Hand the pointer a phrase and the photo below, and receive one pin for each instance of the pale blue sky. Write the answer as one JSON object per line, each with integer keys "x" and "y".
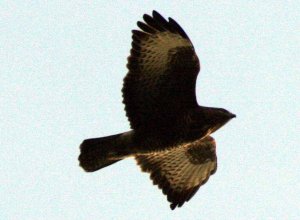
{"x": 61, "y": 72}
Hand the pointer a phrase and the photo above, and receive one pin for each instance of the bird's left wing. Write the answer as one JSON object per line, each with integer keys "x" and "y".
{"x": 163, "y": 68}
{"x": 180, "y": 171}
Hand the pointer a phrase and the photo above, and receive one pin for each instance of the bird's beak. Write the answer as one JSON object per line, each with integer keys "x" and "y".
{"x": 232, "y": 116}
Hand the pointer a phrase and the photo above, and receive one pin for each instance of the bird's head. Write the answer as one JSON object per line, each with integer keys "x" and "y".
{"x": 206, "y": 120}
{"x": 217, "y": 117}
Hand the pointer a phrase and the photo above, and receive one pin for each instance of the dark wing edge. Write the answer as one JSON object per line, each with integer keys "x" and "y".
{"x": 157, "y": 23}
{"x": 162, "y": 62}
{"x": 180, "y": 172}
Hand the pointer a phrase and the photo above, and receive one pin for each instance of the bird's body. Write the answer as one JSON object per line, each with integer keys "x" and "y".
{"x": 170, "y": 131}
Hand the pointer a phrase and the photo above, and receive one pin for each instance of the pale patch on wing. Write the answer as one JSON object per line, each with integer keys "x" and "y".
{"x": 180, "y": 171}
{"x": 155, "y": 54}
{"x": 163, "y": 69}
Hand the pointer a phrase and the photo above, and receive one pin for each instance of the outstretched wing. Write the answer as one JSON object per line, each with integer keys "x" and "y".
{"x": 180, "y": 172}
{"x": 163, "y": 67}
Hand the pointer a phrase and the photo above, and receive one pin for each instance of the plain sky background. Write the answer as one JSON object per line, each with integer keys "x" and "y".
{"x": 61, "y": 72}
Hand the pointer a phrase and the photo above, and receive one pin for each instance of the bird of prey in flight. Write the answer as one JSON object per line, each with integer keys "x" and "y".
{"x": 170, "y": 136}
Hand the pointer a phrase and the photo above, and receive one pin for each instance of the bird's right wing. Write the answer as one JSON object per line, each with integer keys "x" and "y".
{"x": 180, "y": 171}
{"x": 163, "y": 68}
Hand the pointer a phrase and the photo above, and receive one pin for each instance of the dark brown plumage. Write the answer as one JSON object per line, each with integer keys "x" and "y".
{"x": 163, "y": 67}
{"x": 180, "y": 171}
{"x": 170, "y": 131}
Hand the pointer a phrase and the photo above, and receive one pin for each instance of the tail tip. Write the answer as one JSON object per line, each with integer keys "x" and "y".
{"x": 88, "y": 157}
{"x": 93, "y": 156}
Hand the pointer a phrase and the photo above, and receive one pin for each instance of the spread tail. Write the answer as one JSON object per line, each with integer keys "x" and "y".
{"x": 98, "y": 153}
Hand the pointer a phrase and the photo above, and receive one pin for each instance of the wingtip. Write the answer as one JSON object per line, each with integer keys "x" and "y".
{"x": 154, "y": 12}
{"x": 172, "y": 206}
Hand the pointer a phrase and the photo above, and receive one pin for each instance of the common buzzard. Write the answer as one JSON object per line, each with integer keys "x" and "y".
{"x": 170, "y": 136}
